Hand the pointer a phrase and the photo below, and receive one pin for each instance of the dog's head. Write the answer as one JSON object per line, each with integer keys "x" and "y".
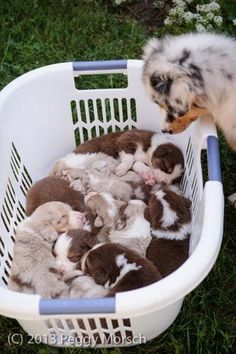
{"x": 57, "y": 217}
{"x": 168, "y": 163}
{"x": 70, "y": 247}
{"x": 171, "y": 77}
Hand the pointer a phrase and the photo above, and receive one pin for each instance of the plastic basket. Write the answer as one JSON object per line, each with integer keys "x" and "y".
{"x": 42, "y": 114}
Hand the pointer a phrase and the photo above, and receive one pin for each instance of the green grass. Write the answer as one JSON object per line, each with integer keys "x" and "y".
{"x": 36, "y": 33}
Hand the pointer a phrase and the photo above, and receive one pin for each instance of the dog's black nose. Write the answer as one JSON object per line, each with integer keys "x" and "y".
{"x": 165, "y": 131}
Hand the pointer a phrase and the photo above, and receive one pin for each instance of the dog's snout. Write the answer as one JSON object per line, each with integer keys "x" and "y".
{"x": 167, "y": 131}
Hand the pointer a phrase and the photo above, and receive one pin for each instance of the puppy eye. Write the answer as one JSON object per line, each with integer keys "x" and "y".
{"x": 54, "y": 252}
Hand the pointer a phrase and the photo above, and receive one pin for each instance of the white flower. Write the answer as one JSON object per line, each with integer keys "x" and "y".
{"x": 218, "y": 20}
{"x": 168, "y": 21}
{"x": 200, "y": 28}
{"x": 213, "y": 6}
{"x": 210, "y": 15}
{"x": 234, "y": 22}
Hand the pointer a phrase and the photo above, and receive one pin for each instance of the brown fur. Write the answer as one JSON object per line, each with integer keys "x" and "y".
{"x": 82, "y": 242}
{"x": 167, "y": 255}
{"x": 180, "y": 124}
{"x": 178, "y": 203}
{"x": 101, "y": 265}
{"x": 113, "y": 143}
{"x": 53, "y": 189}
{"x": 166, "y": 157}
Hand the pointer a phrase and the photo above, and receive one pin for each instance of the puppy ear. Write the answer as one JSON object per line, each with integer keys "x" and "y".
{"x": 163, "y": 150}
{"x": 152, "y": 45}
{"x": 101, "y": 275}
{"x": 48, "y": 233}
{"x": 147, "y": 214}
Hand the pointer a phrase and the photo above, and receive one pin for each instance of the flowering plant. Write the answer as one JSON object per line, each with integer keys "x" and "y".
{"x": 195, "y": 16}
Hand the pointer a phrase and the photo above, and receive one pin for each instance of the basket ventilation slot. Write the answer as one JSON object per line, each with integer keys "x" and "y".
{"x": 95, "y": 117}
{"x": 189, "y": 183}
{"x": 95, "y": 331}
{"x": 12, "y": 210}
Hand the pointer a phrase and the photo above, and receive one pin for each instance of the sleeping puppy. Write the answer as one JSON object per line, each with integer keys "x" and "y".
{"x": 160, "y": 159}
{"x": 167, "y": 255}
{"x": 105, "y": 208}
{"x": 89, "y": 180}
{"x": 136, "y": 233}
{"x": 118, "y": 269}
{"x": 65, "y": 166}
{"x": 34, "y": 268}
{"x": 70, "y": 247}
{"x": 81, "y": 285}
{"x": 53, "y": 189}
{"x": 169, "y": 214}
{"x": 190, "y": 72}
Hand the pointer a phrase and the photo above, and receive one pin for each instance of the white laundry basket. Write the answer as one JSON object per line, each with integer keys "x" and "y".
{"x": 42, "y": 113}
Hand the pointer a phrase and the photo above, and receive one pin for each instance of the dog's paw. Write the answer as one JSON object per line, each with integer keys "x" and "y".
{"x": 232, "y": 199}
{"x": 149, "y": 178}
{"x": 98, "y": 222}
{"x": 78, "y": 186}
{"x": 121, "y": 170}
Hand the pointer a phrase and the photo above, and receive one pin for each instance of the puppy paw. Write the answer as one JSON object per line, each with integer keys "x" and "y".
{"x": 120, "y": 224}
{"x": 121, "y": 170}
{"x": 98, "y": 222}
{"x": 149, "y": 179}
{"x": 67, "y": 175}
{"x": 78, "y": 186}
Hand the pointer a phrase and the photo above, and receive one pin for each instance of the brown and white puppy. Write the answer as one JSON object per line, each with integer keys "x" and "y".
{"x": 118, "y": 269}
{"x": 106, "y": 208}
{"x": 33, "y": 266}
{"x": 163, "y": 159}
{"x": 167, "y": 255}
{"x": 136, "y": 233}
{"x": 70, "y": 247}
{"x": 51, "y": 189}
{"x": 169, "y": 214}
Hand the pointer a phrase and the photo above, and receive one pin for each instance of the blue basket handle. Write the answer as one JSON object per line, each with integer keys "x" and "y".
{"x": 77, "y": 306}
{"x": 213, "y": 159}
{"x": 99, "y": 65}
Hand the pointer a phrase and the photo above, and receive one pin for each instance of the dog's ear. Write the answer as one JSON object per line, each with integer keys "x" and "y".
{"x": 48, "y": 233}
{"x": 163, "y": 150}
{"x": 147, "y": 214}
{"x": 102, "y": 275}
{"x": 153, "y": 45}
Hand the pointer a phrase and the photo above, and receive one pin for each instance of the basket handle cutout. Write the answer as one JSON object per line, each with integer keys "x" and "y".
{"x": 107, "y": 74}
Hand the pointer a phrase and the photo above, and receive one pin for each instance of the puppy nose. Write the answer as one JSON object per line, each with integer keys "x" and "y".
{"x": 61, "y": 269}
{"x": 165, "y": 131}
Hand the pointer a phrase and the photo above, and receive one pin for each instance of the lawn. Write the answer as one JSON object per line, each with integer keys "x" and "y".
{"x": 36, "y": 33}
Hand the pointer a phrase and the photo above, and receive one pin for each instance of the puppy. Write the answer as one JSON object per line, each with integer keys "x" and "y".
{"x": 65, "y": 166}
{"x": 106, "y": 208}
{"x": 136, "y": 233}
{"x": 53, "y": 189}
{"x": 193, "y": 71}
{"x": 33, "y": 267}
{"x": 167, "y": 255}
{"x": 70, "y": 248}
{"x": 118, "y": 269}
{"x": 160, "y": 159}
{"x": 169, "y": 214}
{"x": 81, "y": 285}
{"x": 89, "y": 180}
